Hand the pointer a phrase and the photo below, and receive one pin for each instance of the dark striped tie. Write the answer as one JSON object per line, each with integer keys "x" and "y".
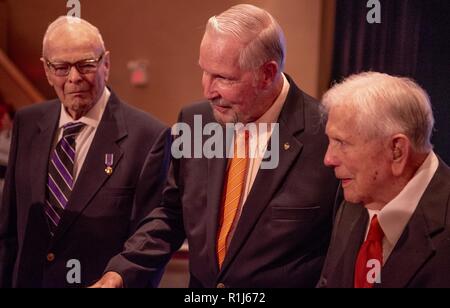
{"x": 60, "y": 175}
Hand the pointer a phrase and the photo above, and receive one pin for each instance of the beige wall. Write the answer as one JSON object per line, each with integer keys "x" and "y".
{"x": 167, "y": 34}
{"x": 11, "y": 92}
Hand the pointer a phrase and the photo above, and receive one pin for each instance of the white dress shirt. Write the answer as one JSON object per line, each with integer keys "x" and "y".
{"x": 84, "y": 140}
{"x": 394, "y": 217}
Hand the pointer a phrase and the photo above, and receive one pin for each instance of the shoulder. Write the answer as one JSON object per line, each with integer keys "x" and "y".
{"x": 139, "y": 119}
{"x": 310, "y": 104}
{"x": 39, "y": 109}
{"x": 137, "y": 116}
{"x": 440, "y": 184}
{"x": 197, "y": 108}
{"x": 445, "y": 170}
{"x": 202, "y": 109}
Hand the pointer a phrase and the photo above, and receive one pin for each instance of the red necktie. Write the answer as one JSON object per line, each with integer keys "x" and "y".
{"x": 370, "y": 254}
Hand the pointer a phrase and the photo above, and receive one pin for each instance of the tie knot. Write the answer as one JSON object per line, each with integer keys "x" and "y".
{"x": 375, "y": 231}
{"x": 72, "y": 129}
{"x": 242, "y": 145}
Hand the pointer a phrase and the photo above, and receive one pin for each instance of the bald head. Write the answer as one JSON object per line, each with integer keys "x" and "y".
{"x": 72, "y": 42}
{"x": 67, "y": 30}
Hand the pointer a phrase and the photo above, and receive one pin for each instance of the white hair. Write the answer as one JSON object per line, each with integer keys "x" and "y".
{"x": 71, "y": 22}
{"x": 386, "y": 105}
{"x": 260, "y": 33}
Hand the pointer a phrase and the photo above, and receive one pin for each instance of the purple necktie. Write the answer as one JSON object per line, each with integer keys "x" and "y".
{"x": 60, "y": 175}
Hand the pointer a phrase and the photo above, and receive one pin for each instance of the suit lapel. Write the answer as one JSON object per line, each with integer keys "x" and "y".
{"x": 216, "y": 171}
{"x": 267, "y": 182}
{"x": 92, "y": 177}
{"x": 40, "y": 149}
{"x": 351, "y": 233}
{"x": 411, "y": 251}
{"x": 416, "y": 246}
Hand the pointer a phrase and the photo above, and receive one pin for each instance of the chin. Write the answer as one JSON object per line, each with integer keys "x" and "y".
{"x": 349, "y": 197}
{"x": 80, "y": 106}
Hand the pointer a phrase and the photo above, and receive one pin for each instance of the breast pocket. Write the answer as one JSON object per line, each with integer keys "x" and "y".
{"x": 116, "y": 201}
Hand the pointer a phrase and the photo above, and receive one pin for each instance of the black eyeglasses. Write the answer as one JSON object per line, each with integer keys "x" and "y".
{"x": 62, "y": 69}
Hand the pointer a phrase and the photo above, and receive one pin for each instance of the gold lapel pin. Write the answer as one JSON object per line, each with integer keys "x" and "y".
{"x": 287, "y": 146}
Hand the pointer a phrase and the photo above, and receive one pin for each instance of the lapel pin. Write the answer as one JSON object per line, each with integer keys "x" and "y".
{"x": 287, "y": 146}
{"x": 109, "y": 162}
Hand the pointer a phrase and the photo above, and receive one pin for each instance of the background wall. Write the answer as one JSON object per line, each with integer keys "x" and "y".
{"x": 3, "y": 23}
{"x": 167, "y": 34}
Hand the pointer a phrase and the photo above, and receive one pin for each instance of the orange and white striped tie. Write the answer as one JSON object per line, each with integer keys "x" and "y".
{"x": 232, "y": 193}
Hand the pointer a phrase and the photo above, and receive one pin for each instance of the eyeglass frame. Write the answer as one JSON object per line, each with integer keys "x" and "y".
{"x": 51, "y": 65}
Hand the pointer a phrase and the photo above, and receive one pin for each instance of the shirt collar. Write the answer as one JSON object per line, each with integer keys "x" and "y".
{"x": 94, "y": 115}
{"x": 273, "y": 113}
{"x": 394, "y": 217}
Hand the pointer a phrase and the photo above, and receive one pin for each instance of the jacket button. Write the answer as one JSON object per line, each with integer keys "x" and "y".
{"x": 51, "y": 257}
{"x": 221, "y": 286}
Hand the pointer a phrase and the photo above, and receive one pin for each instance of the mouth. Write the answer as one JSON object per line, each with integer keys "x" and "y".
{"x": 76, "y": 92}
{"x": 220, "y": 108}
{"x": 346, "y": 182}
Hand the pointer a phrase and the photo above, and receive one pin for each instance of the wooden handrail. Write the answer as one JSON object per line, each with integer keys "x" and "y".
{"x": 18, "y": 77}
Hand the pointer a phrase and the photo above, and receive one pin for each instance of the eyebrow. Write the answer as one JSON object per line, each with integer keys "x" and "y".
{"x": 93, "y": 57}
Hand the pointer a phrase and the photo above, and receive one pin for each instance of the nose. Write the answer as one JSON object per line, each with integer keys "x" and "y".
{"x": 74, "y": 75}
{"x": 208, "y": 86}
{"x": 330, "y": 159}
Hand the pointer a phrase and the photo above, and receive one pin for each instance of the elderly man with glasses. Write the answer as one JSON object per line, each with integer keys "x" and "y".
{"x": 84, "y": 169}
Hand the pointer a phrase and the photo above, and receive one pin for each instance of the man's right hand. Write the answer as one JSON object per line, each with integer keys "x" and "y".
{"x": 110, "y": 280}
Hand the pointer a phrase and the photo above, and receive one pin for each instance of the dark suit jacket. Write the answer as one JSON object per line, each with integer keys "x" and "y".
{"x": 284, "y": 230}
{"x": 100, "y": 214}
{"x": 421, "y": 257}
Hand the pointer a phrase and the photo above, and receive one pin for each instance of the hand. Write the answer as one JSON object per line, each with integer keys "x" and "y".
{"x": 110, "y": 280}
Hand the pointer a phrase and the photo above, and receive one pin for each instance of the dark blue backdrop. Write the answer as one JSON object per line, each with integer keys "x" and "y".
{"x": 412, "y": 40}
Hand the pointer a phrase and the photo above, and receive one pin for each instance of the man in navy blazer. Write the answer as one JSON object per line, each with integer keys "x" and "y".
{"x": 114, "y": 179}
{"x": 393, "y": 229}
{"x": 282, "y": 223}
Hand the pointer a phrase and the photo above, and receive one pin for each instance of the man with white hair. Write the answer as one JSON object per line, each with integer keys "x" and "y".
{"x": 246, "y": 226}
{"x": 77, "y": 164}
{"x": 393, "y": 229}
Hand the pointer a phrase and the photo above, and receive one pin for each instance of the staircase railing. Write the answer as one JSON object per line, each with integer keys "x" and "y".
{"x": 19, "y": 78}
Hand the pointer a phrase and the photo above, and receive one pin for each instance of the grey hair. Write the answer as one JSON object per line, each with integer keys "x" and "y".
{"x": 70, "y": 21}
{"x": 386, "y": 105}
{"x": 260, "y": 33}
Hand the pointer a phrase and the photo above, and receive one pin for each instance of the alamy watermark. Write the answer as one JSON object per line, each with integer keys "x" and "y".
{"x": 374, "y": 271}
{"x": 374, "y": 14}
{"x": 74, "y": 273}
{"x": 74, "y": 7}
{"x": 217, "y": 141}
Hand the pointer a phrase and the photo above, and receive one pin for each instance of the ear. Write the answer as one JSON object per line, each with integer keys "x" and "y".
{"x": 107, "y": 64}
{"x": 400, "y": 148}
{"x": 47, "y": 72}
{"x": 269, "y": 72}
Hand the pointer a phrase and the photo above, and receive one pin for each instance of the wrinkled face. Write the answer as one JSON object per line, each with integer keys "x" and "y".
{"x": 78, "y": 92}
{"x": 232, "y": 91}
{"x": 362, "y": 165}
